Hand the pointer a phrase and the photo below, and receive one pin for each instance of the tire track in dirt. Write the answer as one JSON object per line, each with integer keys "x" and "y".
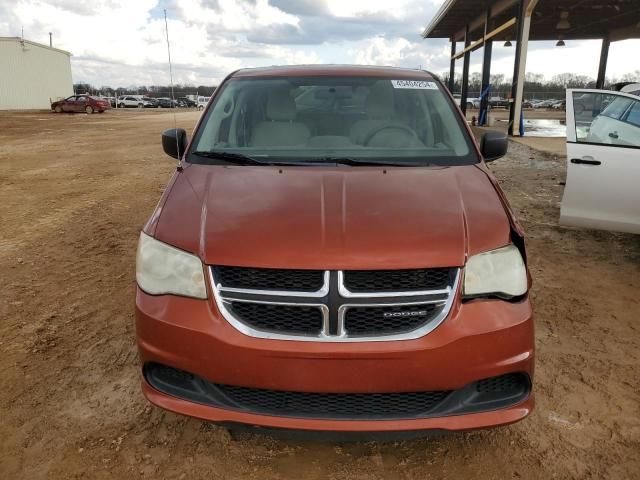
{"x": 73, "y": 408}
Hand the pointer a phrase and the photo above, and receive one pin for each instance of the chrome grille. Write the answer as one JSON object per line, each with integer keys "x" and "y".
{"x": 347, "y": 306}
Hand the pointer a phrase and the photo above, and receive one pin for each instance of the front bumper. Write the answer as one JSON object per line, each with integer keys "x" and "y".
{"x": 479, "y": 339}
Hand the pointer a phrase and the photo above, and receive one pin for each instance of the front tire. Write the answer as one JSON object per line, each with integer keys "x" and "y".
{"x": 89, "y": 109}
{"x": 58, "y": 109}
{"x": 140, "y": 105}
{"x": 121, "y": 105}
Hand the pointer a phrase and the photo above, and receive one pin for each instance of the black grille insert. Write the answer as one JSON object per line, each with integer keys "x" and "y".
{"x": 503, "y": 383}
{"x": 360, "y": 321}
{"x": 335, "y": 405}
{"x": 269, "y": 278}
{"x": 363, "y": 281}
{"x": 279, "y": 318}
{"x": 504, "y": 391}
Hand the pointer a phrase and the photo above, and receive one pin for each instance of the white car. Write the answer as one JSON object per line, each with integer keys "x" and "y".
{"x": 130, "y": 101}
{"x": 471, "y": 102}
{"x": 148, "y": 102}
{"x": 631, "y": 88}
{"x": 202, "y": 102}
{"x": 603, "y": 161}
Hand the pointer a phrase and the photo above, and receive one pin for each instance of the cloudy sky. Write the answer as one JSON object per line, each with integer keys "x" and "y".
{"x": 121, "y": 42}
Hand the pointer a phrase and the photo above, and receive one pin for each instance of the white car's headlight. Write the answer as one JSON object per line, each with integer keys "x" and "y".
{"x": 499, "y": 272}
{"x": 163, "y": 269}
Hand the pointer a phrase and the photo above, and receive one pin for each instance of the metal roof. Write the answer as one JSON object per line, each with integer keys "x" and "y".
{"x": 36, "y": 44}
{"x": 588, "y": 19}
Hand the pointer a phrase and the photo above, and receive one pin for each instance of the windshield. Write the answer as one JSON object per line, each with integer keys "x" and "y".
{"x": 327, "y": 119}
{"x": 617, "y": 108}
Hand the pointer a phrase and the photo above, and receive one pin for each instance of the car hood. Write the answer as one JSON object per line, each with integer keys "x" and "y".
{"x": 332, "y": 217}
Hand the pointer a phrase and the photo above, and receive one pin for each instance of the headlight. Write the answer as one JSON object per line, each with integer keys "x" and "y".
{"x": 163, "y": 269}
{"x": 499, "y": 272}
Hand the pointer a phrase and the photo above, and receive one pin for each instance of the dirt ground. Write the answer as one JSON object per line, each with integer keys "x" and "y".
{"x": 75, "y": 191}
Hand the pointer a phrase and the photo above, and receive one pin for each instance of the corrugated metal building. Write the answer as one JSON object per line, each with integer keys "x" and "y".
{"x": 32, "y": 75}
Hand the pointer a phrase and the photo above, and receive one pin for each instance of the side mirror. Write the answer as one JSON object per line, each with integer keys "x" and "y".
{"x": 174, "y": 142}
{"x": 493, "y": 145}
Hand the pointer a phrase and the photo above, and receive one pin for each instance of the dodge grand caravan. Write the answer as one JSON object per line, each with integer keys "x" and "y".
{"x": 332, "y": 254}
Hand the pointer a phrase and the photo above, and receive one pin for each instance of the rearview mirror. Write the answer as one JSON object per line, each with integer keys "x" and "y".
{"x": 493, "y": 146}
{"x": 174, "y": 142}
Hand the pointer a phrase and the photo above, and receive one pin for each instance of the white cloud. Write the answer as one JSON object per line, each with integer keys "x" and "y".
{"x": 121, "y": 42}
{"x": 395, "y": 51}
{"x": 353, "y": 8}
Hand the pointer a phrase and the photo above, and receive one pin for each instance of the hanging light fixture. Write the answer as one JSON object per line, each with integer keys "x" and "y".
{"x": 507, "y": 43}
{"x": 563, "y": 23}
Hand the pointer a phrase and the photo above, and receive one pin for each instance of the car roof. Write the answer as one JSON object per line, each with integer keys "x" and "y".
{"x": 334, "y": 70}
{"x": 632, "y": 87}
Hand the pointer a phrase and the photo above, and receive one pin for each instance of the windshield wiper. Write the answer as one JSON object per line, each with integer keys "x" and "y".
{"x": 235, "y": 158}
{"x": 241, "y": 159}
{"x": 366, "y": 162}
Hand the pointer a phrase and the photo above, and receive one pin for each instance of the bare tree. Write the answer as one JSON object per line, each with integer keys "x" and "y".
{"x": 497, "y": 79}
{"x": 631, "y": 76}
{"x": 532, "y": 77}
{"x": 571, "y": 80}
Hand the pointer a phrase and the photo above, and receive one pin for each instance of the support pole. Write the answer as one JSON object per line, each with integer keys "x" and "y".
{"x": 452, "y": 66}
{"x": 525, "y": 10}
{"x": 486, "y": 73}
{"x": 465, "y": 72}
{"x": 602, "y": 68}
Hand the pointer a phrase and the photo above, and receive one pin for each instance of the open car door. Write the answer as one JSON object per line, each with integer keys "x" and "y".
{"x": 603, "y": 161}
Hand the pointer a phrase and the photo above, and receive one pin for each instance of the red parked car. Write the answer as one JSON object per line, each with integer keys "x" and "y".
{"x": 81, "y": 103}
{"x": 334, "y": 254}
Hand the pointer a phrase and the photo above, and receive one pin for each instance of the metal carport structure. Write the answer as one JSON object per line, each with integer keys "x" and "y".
{"x": 478, "y": 23}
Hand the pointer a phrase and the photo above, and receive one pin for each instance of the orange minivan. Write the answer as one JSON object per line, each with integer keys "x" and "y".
{"x": 332, "y": 254}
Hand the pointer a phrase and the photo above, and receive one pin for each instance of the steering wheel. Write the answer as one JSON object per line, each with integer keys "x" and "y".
{"x": 376, "y": 131}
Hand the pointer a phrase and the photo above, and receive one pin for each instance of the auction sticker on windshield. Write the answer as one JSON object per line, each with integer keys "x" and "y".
{"x": 417, "y": 84}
